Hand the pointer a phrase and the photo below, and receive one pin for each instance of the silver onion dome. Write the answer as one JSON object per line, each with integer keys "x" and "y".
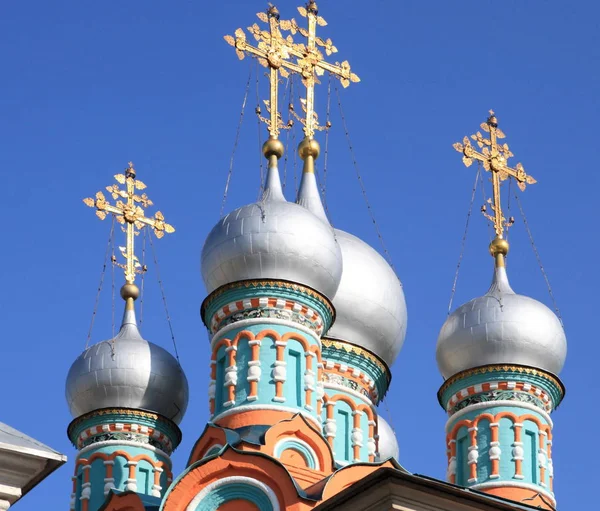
{"x": 501, "y": 327}
{"x": 370, "y": 305}
{"x": 272, "y": 239}
{"x": 388, "y": 443}
{"x": 127, "y": 373}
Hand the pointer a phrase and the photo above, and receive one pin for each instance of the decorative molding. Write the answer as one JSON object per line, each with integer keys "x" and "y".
{"x": 490, "y": 369}
{"x": 258, "y": 321}
{"x": 499, "y": 391}
{"x": 234, "y": 480}
{"x": 510, "y": 404}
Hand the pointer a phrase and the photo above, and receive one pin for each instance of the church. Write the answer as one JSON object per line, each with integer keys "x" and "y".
{"x": 304, "y": 322}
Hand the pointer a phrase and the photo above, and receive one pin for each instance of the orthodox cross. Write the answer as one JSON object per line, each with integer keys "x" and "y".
{"x": 494, "y": 158}
{"x": 272, "y": 51}
{"x": 313, "y": 64}
{"x": 129, "y": 212}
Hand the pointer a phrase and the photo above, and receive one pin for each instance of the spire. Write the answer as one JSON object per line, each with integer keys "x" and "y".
{"x": 313, "y": 64}
{"x": 129, "y": 328}
{"x": 494, "y": 157}
{"x": 273, "y": 150}
{"x": 308, "y": 193}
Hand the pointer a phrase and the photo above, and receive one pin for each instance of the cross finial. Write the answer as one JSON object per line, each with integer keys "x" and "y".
{"x": 312, "y": 64}
{"x": 494, "y": 157}
{"x": 130, "y": 213}
{"x": 272, "y": 51}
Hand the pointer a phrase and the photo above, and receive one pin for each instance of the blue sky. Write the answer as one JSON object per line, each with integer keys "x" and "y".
{"x": 88, "y": 86}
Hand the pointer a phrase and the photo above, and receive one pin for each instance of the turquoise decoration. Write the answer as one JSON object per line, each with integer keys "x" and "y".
{"x": 303, "y": 449}
{"x": 240, "y": 488}
{"x": 215, "y": 317}
{"x": 372, "y": 366}
{"x": 275, "y": 355}
{"x": 121, "y": 450}
{"x": 499, "y": 432}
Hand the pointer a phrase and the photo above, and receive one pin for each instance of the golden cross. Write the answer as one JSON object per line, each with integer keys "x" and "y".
{"x": 313, "y": 64}
{"x": 130, "y": 213}
{"x": 271, "y": 51}
{"x": 494, "y": 158}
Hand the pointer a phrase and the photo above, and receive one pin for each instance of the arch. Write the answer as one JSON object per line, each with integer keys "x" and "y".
{"x": 345, "y": 399}
{"x": 244, "y": 334}
{"x": 272, "y": 334}
{"x": 222, "y": 342}
{"x": 300, "y": 446}
{"x": 294, "y": 336}
{"x": 235, "y": 488}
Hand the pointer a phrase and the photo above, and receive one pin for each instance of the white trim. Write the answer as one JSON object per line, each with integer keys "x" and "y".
{"x": 301, "y": 442}
{"x": 494, "y": 404}
{"x": 513, "y": 484}
{"x": 259, "y": 321}
{"x": 276, "y": 408}
{"x": 233, "y": 480}
{"x": 129, "y": 443}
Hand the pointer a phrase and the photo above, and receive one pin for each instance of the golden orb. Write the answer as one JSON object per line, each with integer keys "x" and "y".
{"x": 130, "y": 291}
{"x": 309, "y": 147}
{"x": 499, "y": 246}
{"x": 273, "y": 147}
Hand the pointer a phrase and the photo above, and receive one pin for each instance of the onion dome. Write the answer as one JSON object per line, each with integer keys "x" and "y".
{"x": 127, "y": 372}
{"x": 370, "y": 305}
{"x": 272, "y": 239}
{"x": 388, "y": 443}
{"x": 501, "y": 327}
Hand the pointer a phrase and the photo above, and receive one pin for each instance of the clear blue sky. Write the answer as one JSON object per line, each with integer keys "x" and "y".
{"x": 87, "y": 86}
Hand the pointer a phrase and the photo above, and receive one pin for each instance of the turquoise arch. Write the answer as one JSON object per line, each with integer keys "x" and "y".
{"x": 305, "y": 452}
{"x": 242, "y": 488}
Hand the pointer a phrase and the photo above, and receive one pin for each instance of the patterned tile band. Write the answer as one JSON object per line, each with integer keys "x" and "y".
{"x": 497, "y": 391}
{"x": 129, "y": 432}
{"x": 350, "y": 377}
{"x": 501, "y": 368}
{"x": 266, "y": 307}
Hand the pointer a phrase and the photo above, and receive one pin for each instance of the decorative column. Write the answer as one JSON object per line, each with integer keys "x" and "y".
{"x": 354, "y": 381}
{"x": 266, "y": 352}
{"x": 120, "y": 449}
{"x": 499, "y": 431}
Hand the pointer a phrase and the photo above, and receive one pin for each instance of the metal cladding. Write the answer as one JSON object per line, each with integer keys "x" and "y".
{"x": 501, "y": 327}
{"x": 388, "y": 443}
{"x": 272, "y": 239}
{"x": 127, "y": 373}
{"x": 370, "y": 305}
{"x": 309, "y": 197}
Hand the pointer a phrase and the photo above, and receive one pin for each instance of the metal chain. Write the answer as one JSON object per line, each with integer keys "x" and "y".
{"x": 360, "y": 181}
{"x": 145, "y": 230}
{"x": 235, "y": 143}
{"x": 539, "y": 260}
{"x": 464, "y": 240}
{"x": 508, "y": 209}
{"x": 260, "y": 155}
{"x": 113, "y": 260}
{"x": 485, "y": 202}
{"x": 164, "y": 299}
{"x": 325, "y": 157}
{"x": 289, "y": 90}
{"x": 389, "y": 416}
{"x": 102, "y": 273}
